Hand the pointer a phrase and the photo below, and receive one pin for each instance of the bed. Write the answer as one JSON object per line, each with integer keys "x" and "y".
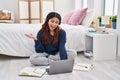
{"x": 13, "y": 41}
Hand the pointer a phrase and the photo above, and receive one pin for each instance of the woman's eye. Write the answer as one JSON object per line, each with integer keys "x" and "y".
{"x": 56, "y": 22}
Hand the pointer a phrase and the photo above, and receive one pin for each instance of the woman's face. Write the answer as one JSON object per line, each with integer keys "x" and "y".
{"x": 53, "y": 23}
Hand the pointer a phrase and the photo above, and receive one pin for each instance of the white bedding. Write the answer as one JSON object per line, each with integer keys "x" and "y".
{"x": 13, "y": 41}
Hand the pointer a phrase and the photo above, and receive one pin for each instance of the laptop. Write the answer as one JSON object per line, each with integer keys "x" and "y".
{"x": 61, "y": 66}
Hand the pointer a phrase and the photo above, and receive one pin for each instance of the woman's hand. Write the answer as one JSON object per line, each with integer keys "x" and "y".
{"x": 31, "y": 36}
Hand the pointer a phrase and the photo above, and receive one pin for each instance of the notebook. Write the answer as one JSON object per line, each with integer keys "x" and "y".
{"x": 32, "y": 71}
{"x": 83, "y": 67}
{"x": 61, "y": 66}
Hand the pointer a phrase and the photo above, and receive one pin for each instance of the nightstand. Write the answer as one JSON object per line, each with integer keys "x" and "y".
{"x": 102, "y": 46}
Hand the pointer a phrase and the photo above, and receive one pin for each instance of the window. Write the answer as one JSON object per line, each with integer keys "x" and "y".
{"x": 116, "y": 7}
{"x": 111, "y": 7}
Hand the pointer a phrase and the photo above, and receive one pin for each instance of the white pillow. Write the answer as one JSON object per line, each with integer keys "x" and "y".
{"x": 88, "y": 18}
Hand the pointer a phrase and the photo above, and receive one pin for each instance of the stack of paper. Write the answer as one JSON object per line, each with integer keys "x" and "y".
{"x": 83, "y": 67}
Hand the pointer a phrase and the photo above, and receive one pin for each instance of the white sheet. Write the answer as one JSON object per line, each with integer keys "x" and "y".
{"x": 14, "y": 42}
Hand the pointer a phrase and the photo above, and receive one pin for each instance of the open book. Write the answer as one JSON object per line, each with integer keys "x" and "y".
{"x": 83, "y": 67}
{"x": 32, "y": 71}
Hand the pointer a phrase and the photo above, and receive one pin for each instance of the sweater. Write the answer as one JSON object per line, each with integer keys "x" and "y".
{"x": 52, "y": 49}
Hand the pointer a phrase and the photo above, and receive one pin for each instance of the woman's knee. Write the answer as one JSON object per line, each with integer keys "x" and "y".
{"x": 38, "y": 60}
{"x": 71, "y": 54}
{"x": 32, "y": 59}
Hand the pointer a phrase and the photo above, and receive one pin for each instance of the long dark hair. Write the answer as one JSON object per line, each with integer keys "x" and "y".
{"x": 46, "y": 30}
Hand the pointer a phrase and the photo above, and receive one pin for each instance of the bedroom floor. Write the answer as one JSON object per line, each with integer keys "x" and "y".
{"x": 103, "y": 70}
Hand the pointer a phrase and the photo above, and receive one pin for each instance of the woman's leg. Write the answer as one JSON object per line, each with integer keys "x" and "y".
{"x": 71, "y": 54}
{"x": 54, "y": 57}
{"x": 39, "y": 59}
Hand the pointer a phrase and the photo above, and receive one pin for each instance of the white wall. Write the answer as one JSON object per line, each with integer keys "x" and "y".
{"x": 118, "y": 46}
{"x": 64, "y": 6}
{"x": 90, "y": 4}
{"x": 118, "y": 28}
{"x": 61, "y": 6}
{"x": 118, "y": 16}
{"x": 78, "y": 4}
{"x": 97, "y": 6}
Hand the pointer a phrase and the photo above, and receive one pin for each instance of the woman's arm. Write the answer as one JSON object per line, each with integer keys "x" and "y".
{"x": 62, "y": 41}
{"x": 31, "y": 36}
{"x": 38, "y": 43}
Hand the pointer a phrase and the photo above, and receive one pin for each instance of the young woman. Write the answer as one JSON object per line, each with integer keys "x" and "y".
{"x": 50, "y": 42}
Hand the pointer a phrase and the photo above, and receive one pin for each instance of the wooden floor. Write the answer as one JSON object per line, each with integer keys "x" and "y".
{"x": 103, "y": 70}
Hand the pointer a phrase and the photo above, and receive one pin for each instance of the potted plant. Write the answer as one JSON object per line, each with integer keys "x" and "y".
{"x": 100, "y": 19}
{"x": 114, "y": 20}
